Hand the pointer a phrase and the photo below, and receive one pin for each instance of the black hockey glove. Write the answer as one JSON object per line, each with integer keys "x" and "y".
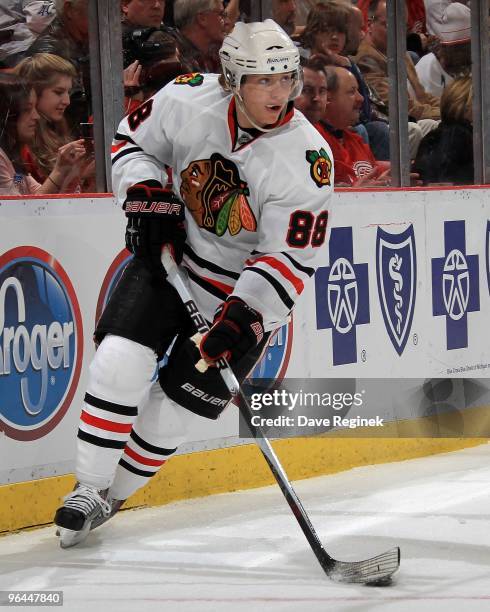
{"x": 155, "y": 217}
{"x": 236, "y": 329}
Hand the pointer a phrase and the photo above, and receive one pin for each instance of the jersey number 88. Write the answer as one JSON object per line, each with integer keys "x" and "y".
{"x": 305, "y": 229}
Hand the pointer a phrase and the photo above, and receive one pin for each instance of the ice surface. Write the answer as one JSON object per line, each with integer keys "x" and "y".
{"x": 244, "y": 550}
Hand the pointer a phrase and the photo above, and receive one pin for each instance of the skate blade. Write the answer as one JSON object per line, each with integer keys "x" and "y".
{"x": 70, "y": 538}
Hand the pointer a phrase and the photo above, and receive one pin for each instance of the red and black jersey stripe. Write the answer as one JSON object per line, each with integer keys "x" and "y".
{"x": 209, "y": 265}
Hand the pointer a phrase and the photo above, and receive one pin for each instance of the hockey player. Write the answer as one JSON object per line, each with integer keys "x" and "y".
{"x": 256, "y": 179}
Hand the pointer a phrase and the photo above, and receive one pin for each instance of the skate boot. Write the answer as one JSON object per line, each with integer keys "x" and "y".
{"x": 76, "y": 515}
{"x": 102, "y": 518}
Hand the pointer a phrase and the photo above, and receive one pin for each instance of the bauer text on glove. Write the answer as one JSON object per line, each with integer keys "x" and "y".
{"x": 155, "y": 217}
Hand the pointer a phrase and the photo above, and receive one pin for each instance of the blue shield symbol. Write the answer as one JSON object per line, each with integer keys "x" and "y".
{"x": 396, "y": 272}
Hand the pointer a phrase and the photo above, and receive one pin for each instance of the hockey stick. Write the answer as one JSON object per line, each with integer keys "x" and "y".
{"x": 377, "y": 570}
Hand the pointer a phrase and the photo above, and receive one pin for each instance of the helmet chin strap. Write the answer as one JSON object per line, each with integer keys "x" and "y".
{"x": 242, "y": 107}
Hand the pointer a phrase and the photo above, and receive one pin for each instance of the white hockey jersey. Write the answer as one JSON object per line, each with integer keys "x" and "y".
{"x": 257, "y": 205}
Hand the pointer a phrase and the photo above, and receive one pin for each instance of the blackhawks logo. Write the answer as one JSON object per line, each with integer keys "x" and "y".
{"x": 216, "y": 196}
{"x": 320, "y": 168}
{"x": 194, "y": 79}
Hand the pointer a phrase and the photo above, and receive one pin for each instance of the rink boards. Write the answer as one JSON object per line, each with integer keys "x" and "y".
{"x": 403, "y": 295}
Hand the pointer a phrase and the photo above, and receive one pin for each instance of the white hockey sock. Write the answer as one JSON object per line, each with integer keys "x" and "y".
{"x": 120, "y": 375}
{"x": 160, "y": 428}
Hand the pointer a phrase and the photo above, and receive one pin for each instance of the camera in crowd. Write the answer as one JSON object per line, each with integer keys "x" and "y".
{"x": 156, "y": 51}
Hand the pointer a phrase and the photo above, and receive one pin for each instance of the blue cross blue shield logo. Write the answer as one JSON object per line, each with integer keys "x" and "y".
{"x": 342, "y": 296}
{"x": 455, "y": 285}
{"x": 396, "y": 272}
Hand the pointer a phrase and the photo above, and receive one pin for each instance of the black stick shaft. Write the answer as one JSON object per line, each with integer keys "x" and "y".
{"x": 230, "y": 380}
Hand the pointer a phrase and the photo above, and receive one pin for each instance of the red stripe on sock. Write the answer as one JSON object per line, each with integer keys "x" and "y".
{"x": 105, "y": 424}
{"x": 143, "y": 460}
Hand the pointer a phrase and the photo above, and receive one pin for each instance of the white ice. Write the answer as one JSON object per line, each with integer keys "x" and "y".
{"x": 244, "y": 550}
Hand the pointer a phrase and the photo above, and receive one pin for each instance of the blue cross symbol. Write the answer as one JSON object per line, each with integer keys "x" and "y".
{"x": 342, "y": 296}
{"x": 455, "y": 285}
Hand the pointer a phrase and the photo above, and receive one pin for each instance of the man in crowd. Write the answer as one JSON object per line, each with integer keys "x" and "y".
{"x": 284, "y": 13}
{"x": 143, "y": 13}
{"x": 331, "y": 101}
{"x": 201, "y": 30}
{"x": 423, "y": 109}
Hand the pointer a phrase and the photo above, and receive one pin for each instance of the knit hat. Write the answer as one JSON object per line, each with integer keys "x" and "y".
{"x": 456, "y": 25}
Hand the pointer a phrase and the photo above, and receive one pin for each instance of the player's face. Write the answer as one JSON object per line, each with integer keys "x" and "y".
{"x": 27, "y": 121}
{"x": 146, "y": 13}
{"x": 344, "y": 104}
{"x": 55, "y": 98}
{"x": 313, "y": 98}
{"x": 265, "y": 97}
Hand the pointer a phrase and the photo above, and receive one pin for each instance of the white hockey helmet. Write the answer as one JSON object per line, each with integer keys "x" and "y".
{"x": 259, "y": 48}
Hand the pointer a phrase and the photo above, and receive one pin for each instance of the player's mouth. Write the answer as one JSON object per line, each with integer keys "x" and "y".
{"x": 274, "y": 107}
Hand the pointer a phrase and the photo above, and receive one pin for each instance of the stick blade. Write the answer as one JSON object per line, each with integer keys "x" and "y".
{"x": 376, "y": 571}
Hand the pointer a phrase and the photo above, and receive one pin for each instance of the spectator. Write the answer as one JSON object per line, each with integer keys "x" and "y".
{"x": 446, "y": 154}
{"x": 21, "y": 21}
{"x": 452, "y": 57}
{"x": 52, "y": 79}
{"x": 355, "y": 31}
{"x": 336, "y": 29}
{"x": 416, "y": 16}
{"x": 313, "y": 98}
{"x": 18, "y": 118}
{"x": 434, "y": 11}
{"x": 201, "y": 30}
{"x": 423, "y": 109}
{"x": 326, "y": 28}
{"x": 232, "y": 15}
{"x": 371, "y": 59}
{"x": 142, "y": 13}
{"x": 67, "y": 37}
{"x": 284, "y": 13}
{"x": 354, "y": 162}
{"x": 151, "y": 61}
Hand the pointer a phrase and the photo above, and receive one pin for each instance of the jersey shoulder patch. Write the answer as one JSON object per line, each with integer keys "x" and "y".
{"x": 320, "y": 167}
{"x": 193, "y": 79}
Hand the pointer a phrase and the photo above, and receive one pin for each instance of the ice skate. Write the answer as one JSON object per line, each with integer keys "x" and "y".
{"x": 102, "y": 518}
{"x": 80, "y": 509}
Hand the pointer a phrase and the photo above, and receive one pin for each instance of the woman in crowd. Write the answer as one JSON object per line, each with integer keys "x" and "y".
{"x": 51, "y": 77}
{"x": 18, "y": 123}
{"x": 445, "y": 155}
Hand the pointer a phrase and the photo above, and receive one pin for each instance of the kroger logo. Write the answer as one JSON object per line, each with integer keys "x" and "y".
{"x": 41, "y": 343}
